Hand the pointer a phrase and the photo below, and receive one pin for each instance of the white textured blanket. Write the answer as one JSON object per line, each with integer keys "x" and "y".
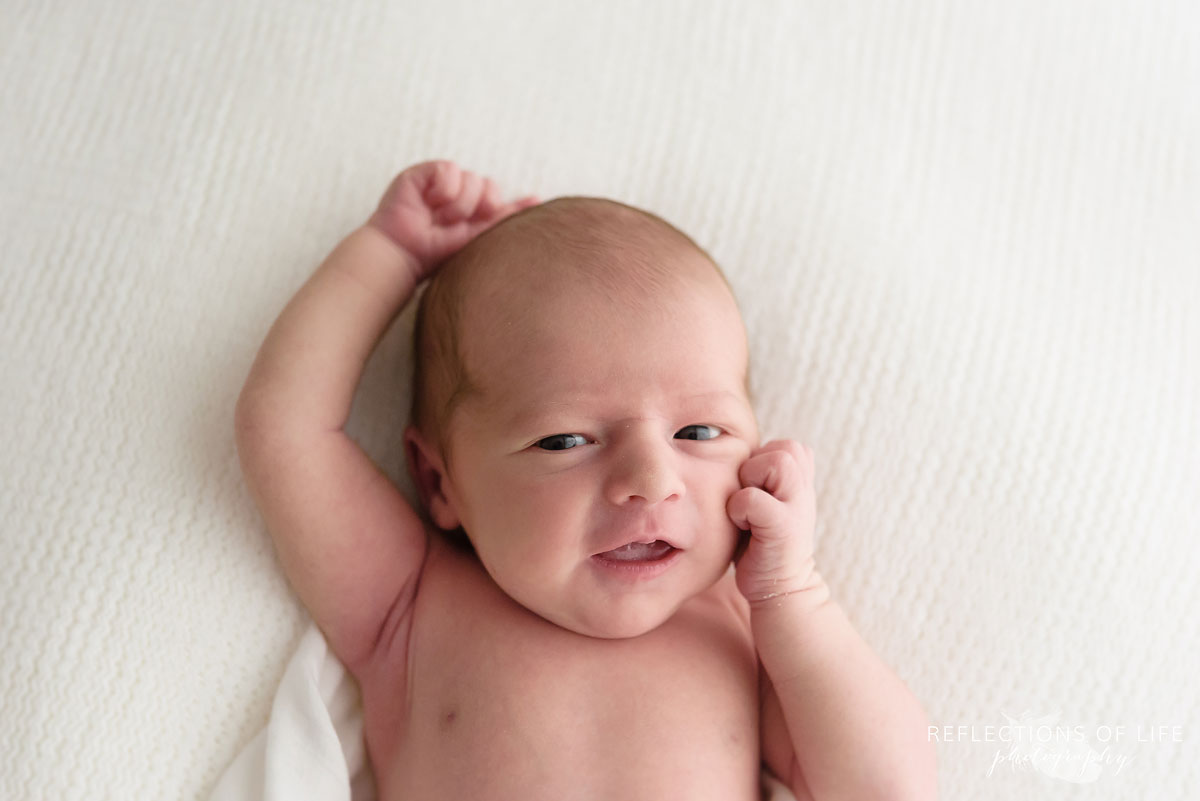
{"x": 964, "y": 235}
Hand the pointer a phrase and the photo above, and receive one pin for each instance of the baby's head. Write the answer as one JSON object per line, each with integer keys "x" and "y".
{"x": 581, "y": 384}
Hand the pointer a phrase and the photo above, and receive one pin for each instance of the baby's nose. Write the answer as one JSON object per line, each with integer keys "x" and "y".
{"x": 645, "y": 468}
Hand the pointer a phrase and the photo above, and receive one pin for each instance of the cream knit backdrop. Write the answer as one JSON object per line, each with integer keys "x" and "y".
{"x": 966, "y": 240}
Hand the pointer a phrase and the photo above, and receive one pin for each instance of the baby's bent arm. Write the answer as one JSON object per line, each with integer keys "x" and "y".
{"x": 856, "y": 730}
{"x": 348, "y": 540}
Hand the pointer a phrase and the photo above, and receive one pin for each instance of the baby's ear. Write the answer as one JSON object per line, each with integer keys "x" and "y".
{"x": 428, "y": 473}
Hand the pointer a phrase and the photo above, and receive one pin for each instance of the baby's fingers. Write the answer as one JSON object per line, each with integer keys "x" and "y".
{"x": 519, "y": 204}
{"x": 492, "y": 209}
{"x": 489, "y": 202}
{"x": 752, "y": 509}
{"x": 781, "y": 467}
{"x": 442, "y": 181}
{"x": 462, "y": 205}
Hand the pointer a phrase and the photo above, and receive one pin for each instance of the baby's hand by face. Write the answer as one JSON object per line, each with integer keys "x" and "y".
{"x": 777, "y": 506}
{"x": 434, "y": 208}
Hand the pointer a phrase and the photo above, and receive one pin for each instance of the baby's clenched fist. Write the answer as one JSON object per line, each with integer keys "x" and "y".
{"x": 777, "y": 507}
{"x": 434, "y": 208}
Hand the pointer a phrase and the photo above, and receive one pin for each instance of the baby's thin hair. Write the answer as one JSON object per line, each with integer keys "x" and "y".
{"x": 618, "y": 248}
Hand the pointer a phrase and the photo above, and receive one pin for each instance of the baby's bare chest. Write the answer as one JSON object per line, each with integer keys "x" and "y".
{"x": 495, "y": 701}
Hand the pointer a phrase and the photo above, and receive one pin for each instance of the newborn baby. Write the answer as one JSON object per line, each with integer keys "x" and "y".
{"x": 609, "y": 592}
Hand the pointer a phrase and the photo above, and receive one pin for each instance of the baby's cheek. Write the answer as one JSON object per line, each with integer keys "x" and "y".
{"x": 729, "y": 474}
{"x": 725, "y": 484}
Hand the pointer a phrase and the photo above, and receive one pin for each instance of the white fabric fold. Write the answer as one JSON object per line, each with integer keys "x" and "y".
{"x": 312, "y": 746}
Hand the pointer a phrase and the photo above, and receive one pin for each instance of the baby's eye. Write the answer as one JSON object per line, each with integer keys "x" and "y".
{"x": 698, "y": 432}
{"x": 560, "y": 442}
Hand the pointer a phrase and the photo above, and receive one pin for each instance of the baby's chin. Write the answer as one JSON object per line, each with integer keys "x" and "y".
{"x": 622, "y": 630}
{"x": 636, "y": 616}
{"x": 615, "y": 624}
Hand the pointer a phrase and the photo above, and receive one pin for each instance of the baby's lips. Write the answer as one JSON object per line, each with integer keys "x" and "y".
{"x": 620, "y": 541}
{"x": 639, "y": 551}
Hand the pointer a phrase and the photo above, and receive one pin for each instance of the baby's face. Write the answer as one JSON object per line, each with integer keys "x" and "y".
{"x": 602, "y": 423}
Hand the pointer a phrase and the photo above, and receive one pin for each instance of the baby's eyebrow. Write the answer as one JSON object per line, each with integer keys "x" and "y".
{"x": 529, "y": 415}
{"x": 719, "y": 394}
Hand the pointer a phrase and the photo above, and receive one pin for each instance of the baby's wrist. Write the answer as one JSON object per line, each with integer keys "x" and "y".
{"x": 801, "y": 588}
{"x": 411, "y": 262}
{"x": 788, "y": 623}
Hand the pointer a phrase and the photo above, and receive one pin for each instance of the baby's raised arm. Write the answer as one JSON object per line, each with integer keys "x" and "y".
{"x": 349, "y": 542}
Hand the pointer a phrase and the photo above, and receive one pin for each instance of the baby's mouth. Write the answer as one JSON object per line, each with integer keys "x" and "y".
{"x": 639, "y": 552}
